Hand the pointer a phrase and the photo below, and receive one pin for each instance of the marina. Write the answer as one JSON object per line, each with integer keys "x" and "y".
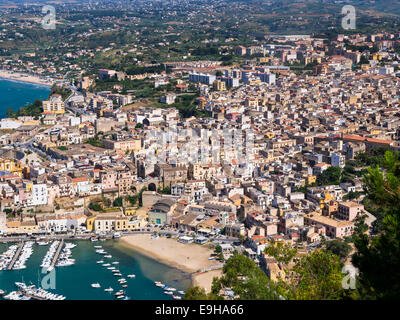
{"x": 87, "y": 279}
{"x": 16, "y": 255}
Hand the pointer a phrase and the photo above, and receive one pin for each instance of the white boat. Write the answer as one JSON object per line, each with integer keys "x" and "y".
{"x": 125, "y": 286}
{"x": 115, "y": 262}
{"x": 2, "y": 292}
{"x": 100, "y": 261}
{"x": 109, "y": 289}
{"x": 95, "y": 285}
{"x": 106, "y": 264}
{"x": 111, "y": 268}
{"x": 108, "y": 256}
{"x": 181, "y": 292}
{"x": 131, "y": 276}
{"x": 118, "y": 274}
{"x": 94, "y": 239}
{"x": 160, "y": 284}
{"x": 176, "y": 297}
{"x": 98, "y": 247}
{"x": 170, "y": 289}
{"x": 42, "y": 243}
{"x": 168, "y": 292}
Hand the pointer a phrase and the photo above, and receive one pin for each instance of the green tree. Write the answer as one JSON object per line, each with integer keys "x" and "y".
{"x": 319, "y": 277}
{"x": 246, "y": 279}
{"x": 339, "y": 248}
{"x": 282, "y": 252}
{"x": 329, "y": 176}
{"x": 117, "y": 202}
{"x": 378, "y": 256}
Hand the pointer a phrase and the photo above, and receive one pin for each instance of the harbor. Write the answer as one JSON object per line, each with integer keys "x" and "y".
{"x": 129, "y": 274}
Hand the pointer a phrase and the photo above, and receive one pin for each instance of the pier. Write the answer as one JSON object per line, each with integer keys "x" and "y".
{"x": 16, "y": 255}
{"x": 57, "y": 254}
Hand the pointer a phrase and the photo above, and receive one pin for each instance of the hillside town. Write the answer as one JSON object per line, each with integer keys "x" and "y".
{"x": 269, "y": 153}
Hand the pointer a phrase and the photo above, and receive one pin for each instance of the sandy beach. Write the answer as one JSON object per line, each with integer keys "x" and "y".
{"x": 24, "y": 78}
{"x": 187, "y": 257}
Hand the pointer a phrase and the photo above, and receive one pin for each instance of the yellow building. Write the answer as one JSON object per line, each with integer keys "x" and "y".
{"x": 129, "y": 211}
{"x": 11, "y": 165}
{"x": 219, "y": 85}
{"x": 54, "y": 105}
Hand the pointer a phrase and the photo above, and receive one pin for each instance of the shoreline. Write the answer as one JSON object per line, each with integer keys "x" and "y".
{"x": 184, "y": 257}
{"x": 18, "y": 77}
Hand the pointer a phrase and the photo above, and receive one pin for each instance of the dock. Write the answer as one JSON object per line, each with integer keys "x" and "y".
{"x": 16, "y": 255}
{"x": 57, "y": 254}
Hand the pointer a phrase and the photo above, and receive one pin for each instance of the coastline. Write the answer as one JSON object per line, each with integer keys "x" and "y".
{"x": 19, "y": 77}
{"x": 189, "y": 258}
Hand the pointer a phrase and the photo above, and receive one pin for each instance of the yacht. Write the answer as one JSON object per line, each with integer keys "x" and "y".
{"x": 95, "y": 285}
{"x": 98, "y": 247}
{"x": 109, "y": 289}
{"x": 170, "y": 289}
{"x": 106, "y": 264}
{"x": 168, "y": 292}
{"x": 42, "y": 243}
{"x": 115, "y": 262}
{"x": 100, "y": 261}
{"x": 118, "y": 274}
{"x": 131, "y": 276}
{"x": 181, "y": 292}
{"x": 176, "y": 297}
{"x": 2, "y": 292}
{"x": 108, "y": 256}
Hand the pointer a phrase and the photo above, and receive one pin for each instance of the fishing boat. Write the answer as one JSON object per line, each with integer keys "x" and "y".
{"x": 131, "y": 276}
{"x": 109, "y": 289}
{"x": 95, "y": 285}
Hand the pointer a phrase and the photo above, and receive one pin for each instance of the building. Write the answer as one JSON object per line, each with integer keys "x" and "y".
{"x": 168, "y": 99}
{"x": 203, "y": 78}
{"x": 349, "y": 210}
{"x": 334, "y": 228}
{"x": 161, "y": 211}
{"x": 54, "y": 105}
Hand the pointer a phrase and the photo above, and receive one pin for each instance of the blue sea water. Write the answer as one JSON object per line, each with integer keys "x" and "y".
{"x": 75, "y": 281}
{"x": 17, "y": 94}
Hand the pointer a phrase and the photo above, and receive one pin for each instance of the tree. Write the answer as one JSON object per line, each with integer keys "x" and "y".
{"x": 319, "y": 277}
{"x": 282, "y": 252}
{"x": 117, "y": 202}
{"x": 378, "y": 257}
{"x": 329, "y": 176}
{"x": 339, "y": 248}
{"x": 196, "y": 293}
{"x": 246, "y": 280}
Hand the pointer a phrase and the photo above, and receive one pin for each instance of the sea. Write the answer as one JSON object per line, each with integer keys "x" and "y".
{"x": 16, "y": 94}
{"x": 74, "y": 282}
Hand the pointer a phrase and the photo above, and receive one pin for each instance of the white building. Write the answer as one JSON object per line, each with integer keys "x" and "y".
{"x": 39, "y": 194}
{"x": 338, "y": 160}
